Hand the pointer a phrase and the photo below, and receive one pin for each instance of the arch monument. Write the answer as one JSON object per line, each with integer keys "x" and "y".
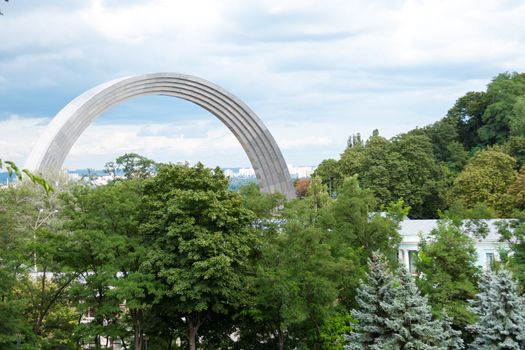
{"x": 66, "y": 127}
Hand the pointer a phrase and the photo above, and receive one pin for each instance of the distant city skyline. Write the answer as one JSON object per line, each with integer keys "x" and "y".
{"x": 314, "y": 72}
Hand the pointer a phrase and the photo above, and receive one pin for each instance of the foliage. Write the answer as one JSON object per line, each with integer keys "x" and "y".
{"x": 354, "y": 223}
{"x": 335, "y": 328}
{"x": 30, "y": 295}
{"x": 486, "y": 179}
{"x": 501, "y": 313}
{"x": 410, "y": 319}
{"x": 301, "y": 187}
{"x": 512, "y": 233}
{"x": 373, "y": 298}
{"x": 12, "y": 168}
{"x": 450, "y": 338}
{"x": 106, "y": 248}
{"x": 132, "y": 165}
{"x": 516, "y": 191}
{"x": 392, "y": 314}
{"x": 401, "y": 168}
{"x": 447, "y": 263}
{"x": 200, "y": 242}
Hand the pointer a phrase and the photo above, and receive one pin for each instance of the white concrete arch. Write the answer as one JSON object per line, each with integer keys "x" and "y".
{"x": 66, "y": 127}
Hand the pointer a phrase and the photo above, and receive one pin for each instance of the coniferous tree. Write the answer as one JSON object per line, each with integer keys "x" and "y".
{"x": 409, "y": 320}
{"x": 392, "y": 314}
{"x": 501, "y": 314}
{"x": 372, "y": 297}
{"x": 450, "y": 338}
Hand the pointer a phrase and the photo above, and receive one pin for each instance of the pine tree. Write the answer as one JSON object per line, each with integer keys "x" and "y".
{"x": 392, "y": 314}
{"x": 501, "y": 314}
{"x": 409, "y": 323}
{"x": 372, "y": 298}
{"x": 450, "y": 338}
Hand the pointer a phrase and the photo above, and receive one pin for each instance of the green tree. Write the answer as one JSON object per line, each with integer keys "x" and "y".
{"x": 447, "y": 261}
{"x": 512, "y": 233}
{"x": 200, "y": 242}
{"x": 401, "y": 168}
{"x": 335, "y": 329}
{"x": 505, "y": 105}
{"x": 354, "y": 222}
{"x": 330, "y": 173}
{"x": 36, "y": 282}
{"x": 106, "y": 247}
{"x": 467, "y": 115}
{"x": 515, "y": 147}
{"x": 501, "y": 313}
{"x": 486, "y": 179}
{"x": 442, "y": 134}
{"x": 132, "y": 165}
{"x": 516, "y": 191}
{"x": 296, "y": 283}
{"x": 15, "y": 209}
{"x": 517, "y": 119}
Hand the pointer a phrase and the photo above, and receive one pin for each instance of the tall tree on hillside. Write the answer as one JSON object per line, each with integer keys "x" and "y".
{"x": 517, "y": 118}
{"x": 504, "y": 94}
{"x": 442, "y": 133}
{"x": 403, "y": 167}
{"x": 488, "y": 118}
{"x": 516, "y": 191}
{"x": 486, "y": 179}
{"x": 447, "y": 262}
{"x": 200, "y": 242}
{"x": 501, "y": 313}
{"x": 422, "y": 182}
{"x": 467, "y": 115}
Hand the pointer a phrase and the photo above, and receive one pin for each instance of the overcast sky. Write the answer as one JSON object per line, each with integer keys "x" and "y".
{"x": 315, "y": 72}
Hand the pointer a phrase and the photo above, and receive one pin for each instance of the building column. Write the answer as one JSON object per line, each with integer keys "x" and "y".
{"x": 407, "y": 260}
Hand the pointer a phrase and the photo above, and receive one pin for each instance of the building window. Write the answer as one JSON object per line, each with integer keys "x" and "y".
{"x": 489, "y": 260}
{"x": 412, "y": 258}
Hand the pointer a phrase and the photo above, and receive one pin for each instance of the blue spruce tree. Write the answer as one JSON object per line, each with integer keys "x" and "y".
{"x": 501, "y": 324}
{"x": 450, "y": 338}
{"x": 410, "y": 319}
{"x": 393, "y": 315}
{"x": 372, "y": 298}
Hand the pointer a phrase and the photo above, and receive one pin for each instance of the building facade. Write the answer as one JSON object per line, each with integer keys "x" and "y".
{"x": 488, "y": 248}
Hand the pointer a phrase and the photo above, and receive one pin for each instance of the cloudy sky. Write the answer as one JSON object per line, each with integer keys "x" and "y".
{"x": 315, "y": 72}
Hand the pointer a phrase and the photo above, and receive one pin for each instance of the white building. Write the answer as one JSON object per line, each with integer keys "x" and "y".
{"x": 488, "y": 248}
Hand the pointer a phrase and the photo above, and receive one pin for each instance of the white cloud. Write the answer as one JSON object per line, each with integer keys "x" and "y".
{"x": 18, "y": 135}
{"x": 332, "y": 68}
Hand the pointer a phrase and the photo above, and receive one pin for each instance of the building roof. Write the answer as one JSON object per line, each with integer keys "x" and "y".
{"x": 411, "y": 229}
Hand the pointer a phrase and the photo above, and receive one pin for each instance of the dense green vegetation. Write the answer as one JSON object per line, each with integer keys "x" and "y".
{"x": 473, "y": 155}
{"x": 168, "y": 257}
